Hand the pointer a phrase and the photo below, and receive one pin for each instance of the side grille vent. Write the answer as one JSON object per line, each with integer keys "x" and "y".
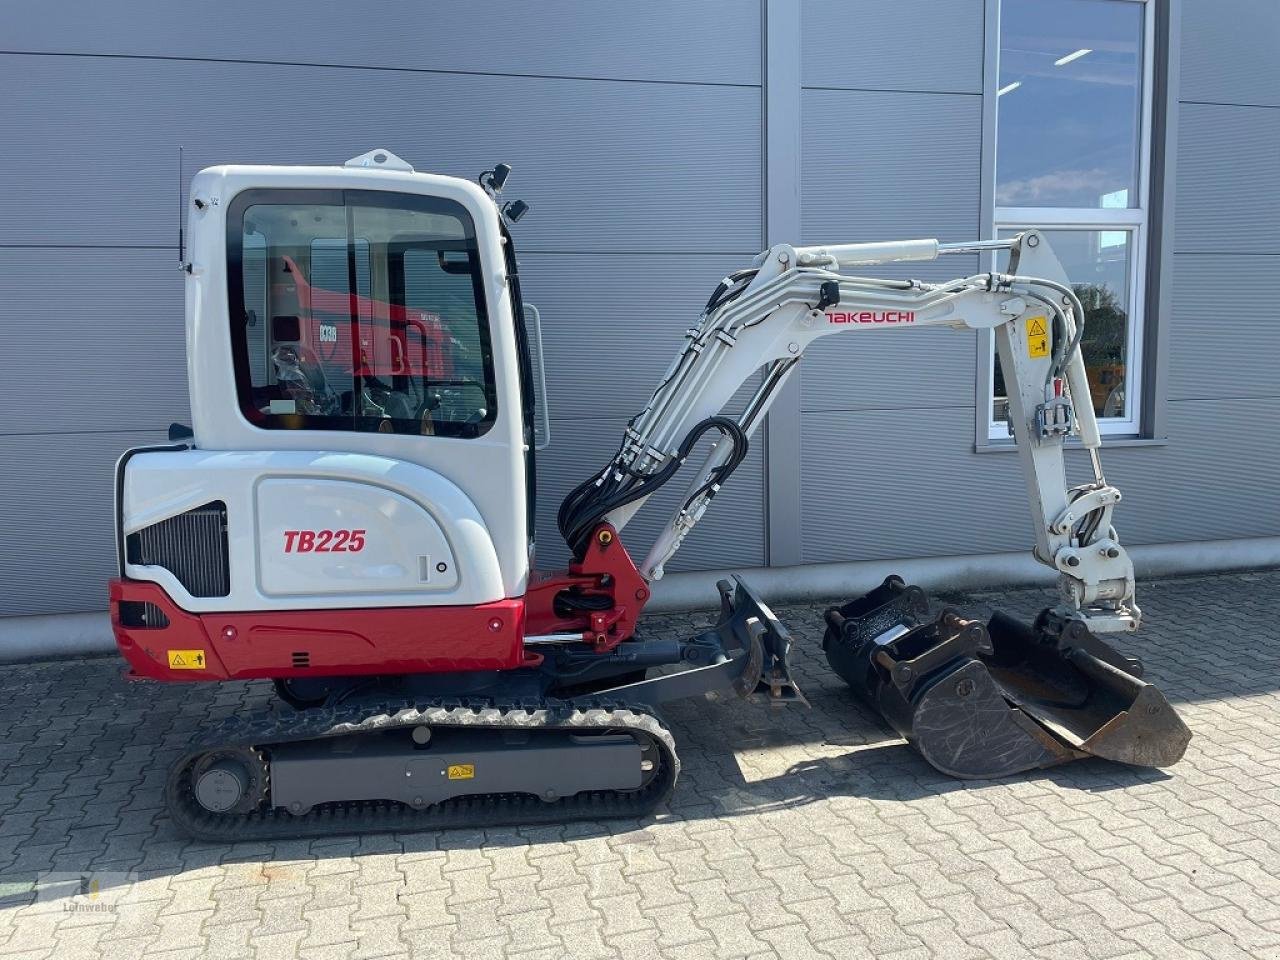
{"x": 301, "y": 658}
{"x": 142, "y": 615}
{"x": 192, "y": 546}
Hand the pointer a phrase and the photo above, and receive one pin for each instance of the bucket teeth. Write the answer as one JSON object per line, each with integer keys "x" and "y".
{"x": 988, "y": 700}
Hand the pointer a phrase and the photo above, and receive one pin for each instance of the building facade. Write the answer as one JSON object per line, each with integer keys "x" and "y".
{"x": 662, "y": 145}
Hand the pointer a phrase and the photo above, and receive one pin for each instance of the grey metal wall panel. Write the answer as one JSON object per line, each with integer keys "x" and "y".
{"x": 901, "y": 45}
{"x": 891, "y": 484}
{"x": 882, "y": 166}
{"x": 1229, "y": 51}
{"x": 644, "y": 194}
{"x": 905, "y": 483}
{"x": 731, "y": 534}
{"x": 607, "y": 165}
{"x": 57, "y": 520}
{"x": 611, "y": 325}
{"x": 657, "y": 40}
{"x": 1177, "y": 492}
{"x": 888, "y": 369}
{"x": 891, "y": 367}
{"x": 872, "y": 170}
{"x": 618, "y": 170}
{"x": 1228, "y": 192}
{"x": 1224, "y": 327}
{"x": 923, "y": 192}
{"x": 95, "y": 340}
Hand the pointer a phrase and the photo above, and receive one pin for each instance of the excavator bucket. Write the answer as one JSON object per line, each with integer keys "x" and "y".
{"x": 988, "y": 700}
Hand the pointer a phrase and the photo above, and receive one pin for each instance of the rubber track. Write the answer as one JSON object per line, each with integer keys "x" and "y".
{"x": 368, "y": 816}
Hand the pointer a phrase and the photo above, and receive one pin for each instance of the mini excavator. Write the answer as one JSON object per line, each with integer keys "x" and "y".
{"x": 351, "y": 516}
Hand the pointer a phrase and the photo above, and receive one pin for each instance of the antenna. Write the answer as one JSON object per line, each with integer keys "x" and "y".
{"x": 182, "y": 213}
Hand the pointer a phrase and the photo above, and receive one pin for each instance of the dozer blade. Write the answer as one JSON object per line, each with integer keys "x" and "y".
{"x": 984, "y": 701}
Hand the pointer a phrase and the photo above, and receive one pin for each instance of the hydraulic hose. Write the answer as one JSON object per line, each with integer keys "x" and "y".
{"x": 1076, "y": 307}
{"x": 618, "y": 485}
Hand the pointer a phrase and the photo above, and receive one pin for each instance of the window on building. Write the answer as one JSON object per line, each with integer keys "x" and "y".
{"x": 1072, "y": 145}
{"x": 359, "y": 310}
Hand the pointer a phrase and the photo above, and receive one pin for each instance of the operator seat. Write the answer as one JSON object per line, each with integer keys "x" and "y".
{"x": 301, "y": 375}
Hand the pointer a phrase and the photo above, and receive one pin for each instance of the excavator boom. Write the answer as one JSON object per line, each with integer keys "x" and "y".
{"x": 762, "y": 320}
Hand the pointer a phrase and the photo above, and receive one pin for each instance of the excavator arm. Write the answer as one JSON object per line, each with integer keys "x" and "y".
{"x": 762, "y": 319}
{"x": 976, "y": 699}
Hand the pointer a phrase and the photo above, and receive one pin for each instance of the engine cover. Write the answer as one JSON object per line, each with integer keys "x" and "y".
{"x": 342, "y": 536}
{"x": 303, "y": 530}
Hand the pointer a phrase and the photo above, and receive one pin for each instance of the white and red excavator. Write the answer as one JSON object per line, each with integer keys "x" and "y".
{"x": 351, "y": 515}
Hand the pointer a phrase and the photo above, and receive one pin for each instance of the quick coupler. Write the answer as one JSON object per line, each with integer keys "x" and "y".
{"x": 989, "y": 700}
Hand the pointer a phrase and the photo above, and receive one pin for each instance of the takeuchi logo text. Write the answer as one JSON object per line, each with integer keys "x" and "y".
{"x": 872, "y": 316}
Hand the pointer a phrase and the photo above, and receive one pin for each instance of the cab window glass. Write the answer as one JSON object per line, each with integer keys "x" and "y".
{"x": 440, "y": 289}
{"x": 359, "y": 310}
{"x": 255, "y": 303}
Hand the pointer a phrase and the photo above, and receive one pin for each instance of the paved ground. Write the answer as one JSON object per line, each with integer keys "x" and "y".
{"x": 817, "y": 835}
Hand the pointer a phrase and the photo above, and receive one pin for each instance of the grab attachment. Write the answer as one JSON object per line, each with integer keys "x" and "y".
{"x": 983, "y": 701}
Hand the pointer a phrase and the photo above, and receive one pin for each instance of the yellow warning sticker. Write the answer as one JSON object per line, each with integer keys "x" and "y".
{"x": 1037, "y": 337}
{"x": 187, "y": 660}
{"x": 461, "y": 771}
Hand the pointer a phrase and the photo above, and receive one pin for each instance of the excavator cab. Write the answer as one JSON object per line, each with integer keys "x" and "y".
{"x": 359, "y": 400}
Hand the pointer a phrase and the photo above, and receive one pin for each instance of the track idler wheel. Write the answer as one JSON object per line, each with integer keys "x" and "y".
{"x": 983, "y": 701}
{"x": 230, "y": 781}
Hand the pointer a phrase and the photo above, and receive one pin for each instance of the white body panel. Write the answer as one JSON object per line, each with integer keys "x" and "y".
{"x": 494, "y": 561}
{"x": 341, "y": 536}
{"x": 412, "y": 519}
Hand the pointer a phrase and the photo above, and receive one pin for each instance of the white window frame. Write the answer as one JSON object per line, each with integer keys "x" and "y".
{"x": 1135, "y": 220}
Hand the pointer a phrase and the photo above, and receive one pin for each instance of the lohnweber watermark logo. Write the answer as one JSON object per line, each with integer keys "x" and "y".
{"x": 93, "y": 891}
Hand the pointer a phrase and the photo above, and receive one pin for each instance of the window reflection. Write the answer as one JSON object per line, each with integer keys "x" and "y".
{"x": 359, "y": 311}
{"x": 1098, "y": 264}
{"x": 1070, "y": 96}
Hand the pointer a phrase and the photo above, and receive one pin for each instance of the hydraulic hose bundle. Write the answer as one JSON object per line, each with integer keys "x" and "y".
{"x": 619, "y": 484}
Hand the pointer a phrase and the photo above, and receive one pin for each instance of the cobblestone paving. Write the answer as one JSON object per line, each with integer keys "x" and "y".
{"x": 799, "y": 834}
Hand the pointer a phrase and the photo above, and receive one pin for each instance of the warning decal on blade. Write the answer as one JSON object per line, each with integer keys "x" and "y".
{"x": 186, "y": 660}
{"x": 461, "y": 771}
{"x": 1037, "y": 338}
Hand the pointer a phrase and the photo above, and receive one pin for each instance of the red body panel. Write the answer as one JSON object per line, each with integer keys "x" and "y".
{"x": 606, "y": 570}
{"x": 261, "y": 644}
{"x": 384, "y": 640}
